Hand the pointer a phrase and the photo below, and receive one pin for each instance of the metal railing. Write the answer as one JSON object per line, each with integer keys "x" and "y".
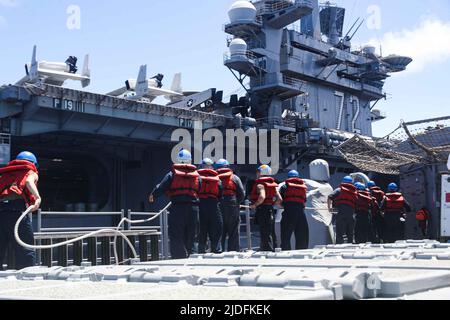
{"x": 151, "y": 240}
{"x": 277, "y": 78}
{"x": 272, "y": 122}
{"x": 270, "y": 8}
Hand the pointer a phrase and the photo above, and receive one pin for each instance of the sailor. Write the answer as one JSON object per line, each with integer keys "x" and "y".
{"x": 394, "y": 207}
{"x": 293, "y": 192}
{"x": 182, "y": 186}
{"x": 211, "y": 222}
{"x": 18, "y": 182}
{"x": 233, "y": 195}
{"x": 377, "y": 219}
{"x": 422, "y": 217}
{"x": 263, "y": 197}
{"x": 344, "y": 199}
{"x": 364, "y": 205}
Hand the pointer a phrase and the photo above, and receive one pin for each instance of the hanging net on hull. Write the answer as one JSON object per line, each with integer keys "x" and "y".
{"x": 420, "y": 142}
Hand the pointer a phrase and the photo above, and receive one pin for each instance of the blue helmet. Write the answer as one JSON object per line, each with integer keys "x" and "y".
{"x": 184, "y": 157}
{"x": 265, "y": 170}
{"x": 222, "y": 163}
{"x": 371, "y": 184}
{"x": 27, "y": 156}
{"x": 347, "y": 179}
{"x": 360, "y": 186}
{"x": 393, "y": 187}
{"x": 207, "y": 162}
{"x": 293, "y": 174}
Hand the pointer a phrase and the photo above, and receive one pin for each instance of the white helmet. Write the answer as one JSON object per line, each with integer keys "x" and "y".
{"x": 265, "y": 170}
{"x": 184, "y": 157}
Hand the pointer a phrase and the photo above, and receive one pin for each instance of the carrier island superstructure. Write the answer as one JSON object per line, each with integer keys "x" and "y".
{"x": 100, "y": 152}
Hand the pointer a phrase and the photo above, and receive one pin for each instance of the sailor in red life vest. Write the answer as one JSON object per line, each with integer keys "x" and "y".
{"x": 364, "y": 205}
{"x": 394, "y": 206}
{"x": 18, "y": 187}
{"x": 293, "y": 192}
{"x": 211, "y": 222}
{"x": 263, "y": 197}
{"x": 182, "y": 185}
{"x": 233, "y": 195}
{"x": 377, "y": 218}
{"x": 344, "y": 199}
{"x": 422, "y": 217}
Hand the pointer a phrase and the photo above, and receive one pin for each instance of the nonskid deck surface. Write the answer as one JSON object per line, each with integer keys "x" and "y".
{"x": 404, "y": 270}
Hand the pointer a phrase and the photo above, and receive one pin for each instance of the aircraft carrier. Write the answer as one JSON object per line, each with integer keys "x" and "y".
{"x": 301, "y": 75}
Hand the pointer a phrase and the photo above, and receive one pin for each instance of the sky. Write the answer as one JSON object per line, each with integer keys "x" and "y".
{"x": 187, "y": 37}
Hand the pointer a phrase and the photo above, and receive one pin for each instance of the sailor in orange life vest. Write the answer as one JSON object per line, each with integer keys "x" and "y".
{"x": 293, "y": 192}
{"x": 18, "y": 185}
{"x": 182, "y": 186}
{"x": 394, "y": 206}
{"x": 211, "y": 222}
{"x": 377, "y": 218}
{"x": 364, "y": 206}
{"x": 263, "y": 197}
{"x": 422, "y": 217}
{"x": 233, "y": 195}
{"x": 344, "y": 198}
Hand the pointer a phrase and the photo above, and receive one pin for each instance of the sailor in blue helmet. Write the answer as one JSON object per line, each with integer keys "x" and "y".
{"x": 344, "y": 199}
{"x": 232, "y": 197}
{"x": 18, "y": 185}
{"x": 364, "y": 207}
{"x": 211, "y": 222}
{"x": 294, "y": 194}
{"x": 394, "y": 207}
{"x": 182, "y": 186}
{"x": 264, "y": 196}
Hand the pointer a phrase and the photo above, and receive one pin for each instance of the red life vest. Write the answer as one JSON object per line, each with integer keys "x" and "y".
{"x": 348, "y": 195}
{"x": 422, "y": 215}
{"x": 375, "y": 207}
{"x": 270, "y": 186}
{"x": 378, "y": 194}
{"x": 363, "y": 202}
{"x": 228, "y": 185}
{"x": 13, "y": 180}
{"x": 210, "y": 184}
{"x": 185, "y": 182}
{"x": 295, "y": 191}
{"x": 394, "y": 202}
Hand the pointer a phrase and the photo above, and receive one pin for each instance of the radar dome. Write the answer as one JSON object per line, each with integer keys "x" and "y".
{"x": 242, "y": 10}
{"x": 238, "y": 47}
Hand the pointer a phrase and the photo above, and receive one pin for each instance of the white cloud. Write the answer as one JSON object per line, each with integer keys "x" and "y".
{"x": 429, "y": 43}
{"x": 9, "y": 3}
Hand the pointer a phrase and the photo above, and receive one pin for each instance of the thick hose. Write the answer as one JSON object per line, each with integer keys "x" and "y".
{"x": 52, "y": 246}
{"x": 136, "y": 222}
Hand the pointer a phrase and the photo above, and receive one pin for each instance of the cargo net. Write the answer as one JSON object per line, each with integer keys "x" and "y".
{"x": 421, "y": 142}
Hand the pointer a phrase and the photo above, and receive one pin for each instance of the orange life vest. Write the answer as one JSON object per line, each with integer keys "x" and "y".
{"x": 13, "y": 180}
{"x": 185, "y": 182}
{"x": 210, "y": 184}
{"x": 378, "y": 194}
{"x": 270, "y": 186}
{"x": 363, "y": 202}
{"x": 394, "y": 202}
{"x": 228, "y": 185}
{"x": 422, "y": 215}
{"x": 348, "y": 195}
{"x": 295, "y": 191}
